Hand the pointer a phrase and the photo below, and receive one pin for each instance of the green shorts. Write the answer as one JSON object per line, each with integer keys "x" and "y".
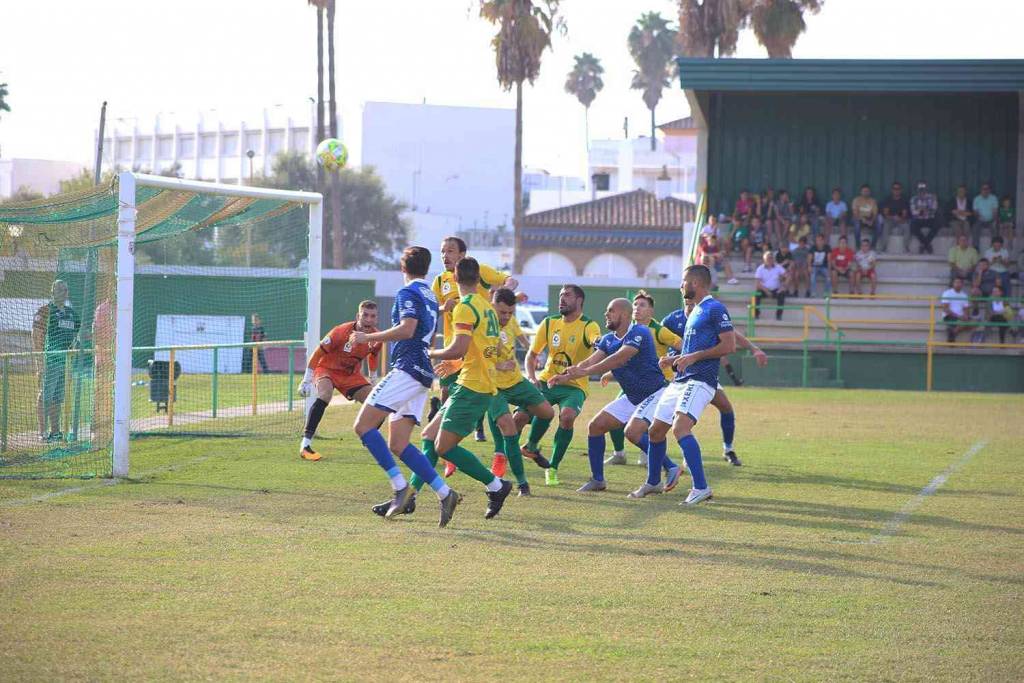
{"x": 52, "y": 381}
{"x": 522, "y": 395}
{"x": 463, "y": 410}
{"x": 564, "y": 396}
{"x": 447, "y": 381}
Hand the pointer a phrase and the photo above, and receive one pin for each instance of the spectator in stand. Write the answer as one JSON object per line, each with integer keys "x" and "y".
{"x": 865, "y": 215}
{"x": 256, "y": 335}
{"x": 986, "y": 214}
{"x": 923, "y": 207}
{"x": 740, "y": 238}
{"x": 842, "y": 264}
{"x": 895, "y": 216}
{"x": 744, "y": 209}
{"x": 801, "y": 229}
{"x": 799, "y": 274}
{"x": 766, "y": 210}
{"x": 866, "y": 259}
{"x": 758, "y": 238}
{"x": 770, "y": 277}
{"x": 835, "y": 213}
{"x": 810, "y": 208}
{"x": 985, "y": 279}
{"x": 784, "y": 217}
{"x": 1000, "y": 311}
{"x": 784, "y": 257}
{"x": 962, "y": 260}
{"x": 818, "y": 263}
{"x": 716, "y": 260}
{"x": 960, "y": 212}
{"x": 999, "y": 262}
{"x": 954, "y": 309}
{"x": 1007, "y": 221}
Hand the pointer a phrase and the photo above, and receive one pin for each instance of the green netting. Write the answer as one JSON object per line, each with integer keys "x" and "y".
{"x": 205, "y": 264}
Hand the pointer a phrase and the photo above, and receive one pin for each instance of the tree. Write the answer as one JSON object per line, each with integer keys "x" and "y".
{"x": 651, "y": 44}
{"x": 374, "y": 229}
{"x": 24, "y": 193}
{"x": 584, "y": 81}
{"x": 3, "y": 98}
{"x": 707, "y": 27}
{"x": 524, "y": 32}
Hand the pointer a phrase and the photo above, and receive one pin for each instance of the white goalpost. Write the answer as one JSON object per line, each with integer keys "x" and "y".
{"x": 128, "y": 186}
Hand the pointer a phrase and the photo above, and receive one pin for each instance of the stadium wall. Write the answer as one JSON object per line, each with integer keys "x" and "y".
{"x": 997, "y": 373}
{"x": 792, "y": 140}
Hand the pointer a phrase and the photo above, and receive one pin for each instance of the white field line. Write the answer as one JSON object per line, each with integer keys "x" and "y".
{"x": 893, "y": 525}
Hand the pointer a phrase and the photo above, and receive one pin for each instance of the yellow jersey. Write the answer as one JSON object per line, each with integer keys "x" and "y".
{"x": 478, "y": 373}
{"x": 506, "y": 352}
{"x": 664, "y": 338}
{"x": 567, "y": 344}
{"x": 446, "y": 289}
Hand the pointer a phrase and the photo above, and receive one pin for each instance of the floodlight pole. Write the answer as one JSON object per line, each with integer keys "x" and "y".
{"x": 315, "y": 274}
{"x": 126, "y": 213}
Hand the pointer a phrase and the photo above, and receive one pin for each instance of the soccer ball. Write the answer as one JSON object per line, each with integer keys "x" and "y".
{"x": 331, "y": 154}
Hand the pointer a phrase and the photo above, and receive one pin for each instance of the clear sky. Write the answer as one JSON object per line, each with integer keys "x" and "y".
{"x": 62, "y": 58}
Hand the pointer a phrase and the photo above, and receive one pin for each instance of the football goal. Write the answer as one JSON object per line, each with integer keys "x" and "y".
{"x": 152, "y": 306}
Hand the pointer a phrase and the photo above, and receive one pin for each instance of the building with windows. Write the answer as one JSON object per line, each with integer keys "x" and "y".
{"x": 210, "y": 144}
{"x": 617, "y": 166}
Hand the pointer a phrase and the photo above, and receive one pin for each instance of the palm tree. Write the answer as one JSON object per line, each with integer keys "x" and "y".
{"x": 524, "y": 32}
{"x": 3, "y": 98}
{"x": 319, "y": 4}
{"x": 710, "y": 28}
{"x": 652, "y": 44}
{"x": 584, "y": 81}
{"x": 334, "y": 196}
{"x": 778, "y": 23}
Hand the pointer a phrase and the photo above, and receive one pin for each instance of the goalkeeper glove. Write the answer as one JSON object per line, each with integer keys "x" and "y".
{"x": 306, "y": 387}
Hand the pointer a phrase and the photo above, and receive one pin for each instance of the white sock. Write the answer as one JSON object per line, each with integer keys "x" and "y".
{"x": 443, "y": 492}
{"x": 398, "y": 482}
{"x": 306, "y": 442}
{"x": 618, "y": 453}
{"x": 494, "y": 486}
{"x": 727, "y": 447}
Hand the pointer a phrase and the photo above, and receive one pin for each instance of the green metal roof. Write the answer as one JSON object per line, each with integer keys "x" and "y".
{"x": 851, "y": 75}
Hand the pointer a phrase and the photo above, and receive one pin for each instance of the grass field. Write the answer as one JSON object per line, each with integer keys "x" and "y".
{"x": 819, "y": 559}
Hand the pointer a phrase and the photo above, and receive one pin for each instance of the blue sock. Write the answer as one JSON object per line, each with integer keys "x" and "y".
{"x": 378, "y": 447}
{"x": 655, "y": 456}
{"x": 595, "y": 451}
{"x": 691, "y": 454}
{"x": 418, "y": 463}
{"x": 728, "y": 429}
{"x": 644, "y": 443}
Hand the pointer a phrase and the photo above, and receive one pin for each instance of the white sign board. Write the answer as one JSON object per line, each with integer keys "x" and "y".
{"x": 188, "y": 330}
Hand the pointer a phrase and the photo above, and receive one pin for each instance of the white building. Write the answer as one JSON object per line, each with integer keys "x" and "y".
{"x": 617, "y": 166}
{"x": 37, "y": 175}
{"x": 210, "y": 144}
{"x": 452, "y": 161}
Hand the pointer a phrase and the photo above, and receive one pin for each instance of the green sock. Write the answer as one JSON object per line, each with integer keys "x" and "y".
{"x": 431, "y": 453}
{"x": 515, "y": 458}
{"x": 467, "y": 463}
{"x": 537, "y": 429}
{"x": 563, "y": 437}
{"x": 618, "y": 439}
{"x": 496, "y": 437}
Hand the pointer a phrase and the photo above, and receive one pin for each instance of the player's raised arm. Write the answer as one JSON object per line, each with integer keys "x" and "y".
{"x": 463, "y": 321}
{"x": 743, "y": 343}
{"x": 403, "y": 330}
{"x": 582, "y": 369}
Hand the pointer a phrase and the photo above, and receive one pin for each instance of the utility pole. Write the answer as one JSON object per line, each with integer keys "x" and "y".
{"x": 99, "y": 145}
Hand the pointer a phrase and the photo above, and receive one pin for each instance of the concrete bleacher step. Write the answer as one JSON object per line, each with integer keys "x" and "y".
{"x": 785, "y": 371}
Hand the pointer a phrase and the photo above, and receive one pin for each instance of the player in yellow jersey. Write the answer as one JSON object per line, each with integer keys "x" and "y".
{"x": 475, "y": 340}
{"x": 453, "y": 250}
{"x": 568, "y": 337}
{"x": 515, "y": 389}
{"x": 664, "y": 338}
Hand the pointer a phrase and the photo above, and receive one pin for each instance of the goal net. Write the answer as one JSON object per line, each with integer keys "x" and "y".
{"x": 153, "y": 306}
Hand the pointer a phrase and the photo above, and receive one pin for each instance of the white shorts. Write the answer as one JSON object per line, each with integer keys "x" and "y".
{"x": 690, "y": 397}
{"x": 401, "y": 395}
{"x": 621, "y": 409}
{"x": 646, "y": 408}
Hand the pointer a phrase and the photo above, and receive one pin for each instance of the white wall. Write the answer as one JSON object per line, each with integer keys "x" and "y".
{"x": 455, "y": 161}
{"x": 41, "y": 175}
